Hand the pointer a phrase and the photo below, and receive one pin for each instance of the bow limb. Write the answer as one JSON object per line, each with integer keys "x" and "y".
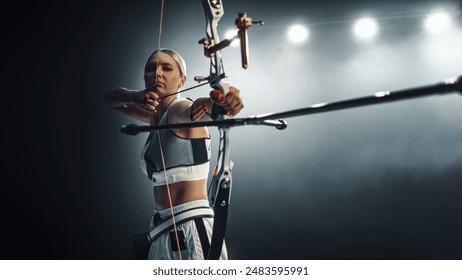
{"x": 220, "y": 194}
{"x": 213, "y": 10}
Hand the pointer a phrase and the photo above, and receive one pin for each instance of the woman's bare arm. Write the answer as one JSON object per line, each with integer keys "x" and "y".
{"x": 137, "y": 104}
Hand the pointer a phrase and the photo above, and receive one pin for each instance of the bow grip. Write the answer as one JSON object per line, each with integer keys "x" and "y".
{"x": 219, "y": 94}
{"x": 217, "y": 111}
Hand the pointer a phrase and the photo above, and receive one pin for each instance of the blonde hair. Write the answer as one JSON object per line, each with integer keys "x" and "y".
{"x": 176, "y": 56}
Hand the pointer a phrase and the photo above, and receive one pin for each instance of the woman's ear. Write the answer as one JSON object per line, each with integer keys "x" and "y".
{"x": 182, "y": 81}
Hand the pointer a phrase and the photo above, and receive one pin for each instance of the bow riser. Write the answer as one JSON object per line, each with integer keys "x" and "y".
{"x": 213, "y": 13}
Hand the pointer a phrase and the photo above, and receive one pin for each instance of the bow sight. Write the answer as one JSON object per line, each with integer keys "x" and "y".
{"x": 242, "y": 24}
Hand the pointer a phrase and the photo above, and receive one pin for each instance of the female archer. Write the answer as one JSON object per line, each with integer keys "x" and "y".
{"x": 177, "y": 160}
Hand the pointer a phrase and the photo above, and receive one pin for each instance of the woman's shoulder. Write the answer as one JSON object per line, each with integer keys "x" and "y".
{"x": 180, "y": 102}
{"x": 178, "y": 111}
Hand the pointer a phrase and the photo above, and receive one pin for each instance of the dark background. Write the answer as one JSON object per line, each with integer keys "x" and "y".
{"x": 378, "y": 182}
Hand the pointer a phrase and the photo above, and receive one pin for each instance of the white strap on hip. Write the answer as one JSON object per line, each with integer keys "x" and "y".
{"x": 179, "y": 219}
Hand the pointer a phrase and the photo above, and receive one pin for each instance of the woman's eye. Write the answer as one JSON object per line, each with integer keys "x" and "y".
{"x": 150, "y": 68}
{"x": 168, "y": 68}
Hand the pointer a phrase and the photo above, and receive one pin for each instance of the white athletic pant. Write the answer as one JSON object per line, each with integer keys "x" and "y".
{"x": 193, "y": 235}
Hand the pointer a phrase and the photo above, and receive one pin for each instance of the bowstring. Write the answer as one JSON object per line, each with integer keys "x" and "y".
{"x": 183, "y": 90}
{"x": 160, "y": 143}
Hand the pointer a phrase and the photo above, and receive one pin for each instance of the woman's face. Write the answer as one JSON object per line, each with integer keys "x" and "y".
{"x": 162, "y": 74}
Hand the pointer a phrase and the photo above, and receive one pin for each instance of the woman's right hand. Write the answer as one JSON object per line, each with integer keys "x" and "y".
{"x": 147, "y": 100}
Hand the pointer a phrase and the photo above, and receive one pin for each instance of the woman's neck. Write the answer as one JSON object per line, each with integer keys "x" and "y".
{"x": 164, "y": 103}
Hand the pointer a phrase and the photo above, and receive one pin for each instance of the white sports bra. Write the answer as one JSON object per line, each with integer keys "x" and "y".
{"x": 186, "y": 159}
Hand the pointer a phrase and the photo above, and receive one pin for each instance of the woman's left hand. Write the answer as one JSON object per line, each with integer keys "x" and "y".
{"x": 231, "y": 102}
